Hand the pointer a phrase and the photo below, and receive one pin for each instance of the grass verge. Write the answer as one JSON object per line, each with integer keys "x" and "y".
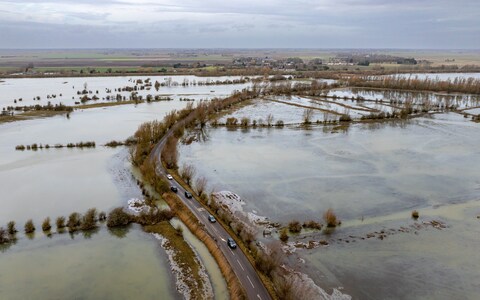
{"x": 183, "y": 255}
{"x": 266, "y": 281}
{"x": 188, "y": 218}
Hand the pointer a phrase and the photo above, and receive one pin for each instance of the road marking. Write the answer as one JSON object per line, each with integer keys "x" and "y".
{"x": 214, "y": 229}
{"x": 201, "y": 209}
{"x": 259, "y": 297}
{"x": 223, "y": 239}
{"x": 231, "y": 251}
{"x": 250, "y": 281}
{"x": 240, "y": 265}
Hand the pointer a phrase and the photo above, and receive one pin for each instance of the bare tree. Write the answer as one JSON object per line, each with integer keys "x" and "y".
{"x": 269, "y": 120}
{"x": 307, "y": 115}
{"x": 170, "y": 153}
{"x": 200, "y": 185}
{"x": 187, "y": 173}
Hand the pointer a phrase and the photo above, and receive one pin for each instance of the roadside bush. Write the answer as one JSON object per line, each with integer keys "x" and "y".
{"x": 294, "y": 226}
{"x": 267, "y": 264}
{"x": 11, "y": 228}
{"x": 330, "y": 218}
{"x": 46, "y": 224}
{"x": 60, "y": 222}
{"x": 154, "y": 216}
{"x": 279, "y": 123}
{"x": 29, "y": 227}
{"x": 118, "y": 217}
{"x": 179, "y": 230}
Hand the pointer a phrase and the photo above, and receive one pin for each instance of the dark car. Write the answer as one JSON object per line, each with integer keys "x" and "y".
{"x": 231, "y": 243}
{"x": 188, "y": 195}
{"x": 211, "y": 219}
{"x": 174, "y": 189}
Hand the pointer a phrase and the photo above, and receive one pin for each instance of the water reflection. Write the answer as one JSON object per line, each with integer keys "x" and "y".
{"x": 119, "y": 232}
{"x": 103, "y": 264}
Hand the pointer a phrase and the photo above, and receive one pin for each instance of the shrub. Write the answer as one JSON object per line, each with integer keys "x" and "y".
{"x": 60, "y": 222}
{"x": 345, "y": 118}
{"x": 231, "y": 121}
{"x": 154, "y": 216}
{"x": 415, "y": 214}
{"x": 313, "y": 225}
{"x": 3, "y": 236}
{"x": 89, "y": 220}
{"x": 46, "y": 224}
{"x": 284, "y": 235}
{"x": 11, "y": 228}
{"x": 102, "y": 216}
{"x": 179, "y": 230}
{"x": 29, "y": 227}
{"x": 279, "y": 123}
{"x": 330, "y": 218}
{"x": 294, "y": 226}
{"x": 267, "y": 263}
{"x": 118, "y": 217}
{"x": 74, "y": 221}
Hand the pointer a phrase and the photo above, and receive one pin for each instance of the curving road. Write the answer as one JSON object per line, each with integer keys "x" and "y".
{"x": 240, "y": 264}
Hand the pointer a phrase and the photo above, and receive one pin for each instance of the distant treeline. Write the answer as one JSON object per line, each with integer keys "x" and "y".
{"x": 459, "y": 84}
{"x": 35, "y": 146}
{"x": 37, "y": 107}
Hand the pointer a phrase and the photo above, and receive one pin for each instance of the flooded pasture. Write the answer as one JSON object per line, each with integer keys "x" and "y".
{"x": 65, "y": 89}
{"x": 107, "y": 264}
{"x": 56, "y": 182}
{"x": 372, "y": 175}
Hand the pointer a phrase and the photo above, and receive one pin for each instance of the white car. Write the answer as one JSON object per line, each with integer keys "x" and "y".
{"x": 169, "y": 177}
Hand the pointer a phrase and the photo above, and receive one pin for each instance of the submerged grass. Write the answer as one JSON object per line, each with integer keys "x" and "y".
{"x": 184, "y": 256}
{"x": 31, "y": 115}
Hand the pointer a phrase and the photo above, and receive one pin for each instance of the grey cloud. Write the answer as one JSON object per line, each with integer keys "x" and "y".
{"x": 248, "y": 23}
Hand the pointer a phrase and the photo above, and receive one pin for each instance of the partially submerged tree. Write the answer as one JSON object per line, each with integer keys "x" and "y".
{"x": 29, "y": 227}
{"x": 330, "y": 218}
{"x": 46, "y": 224}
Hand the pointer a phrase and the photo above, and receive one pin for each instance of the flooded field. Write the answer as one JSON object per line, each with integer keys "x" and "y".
{"x": 65, "y": 89}
{"x": 56, "y": 182}
{"x": 373, "y": 176}
{"x": 440, "y": 76}
{"x": 116, "y": 264}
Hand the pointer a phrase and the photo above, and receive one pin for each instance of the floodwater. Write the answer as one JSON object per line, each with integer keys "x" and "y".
{"x": 373, "y": 176}
{"x": 368, "y": 170}
{"x": 29, "y": 88}
{"x": 440, "y": 76}
{"x": 118, "y": 264}
{"x": 56, "y": 182}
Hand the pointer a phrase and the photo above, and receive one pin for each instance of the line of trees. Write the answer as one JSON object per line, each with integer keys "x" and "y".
{"x": 459, "y": 84}
{"x": 88, "y": 221}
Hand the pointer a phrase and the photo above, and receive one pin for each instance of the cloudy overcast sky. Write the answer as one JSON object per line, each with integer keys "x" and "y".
{"x": 444, "y": 24}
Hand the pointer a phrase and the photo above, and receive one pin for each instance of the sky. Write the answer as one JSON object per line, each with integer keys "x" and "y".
{"x": 406, "y": 24}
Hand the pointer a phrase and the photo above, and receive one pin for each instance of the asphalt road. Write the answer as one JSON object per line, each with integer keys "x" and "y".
{"x": 240, "y": 264}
